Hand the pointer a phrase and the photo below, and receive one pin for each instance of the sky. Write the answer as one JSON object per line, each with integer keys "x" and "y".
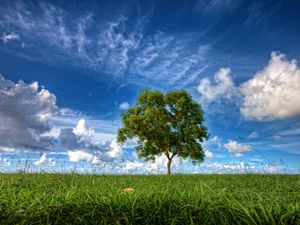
{"x": 70, "y": 68}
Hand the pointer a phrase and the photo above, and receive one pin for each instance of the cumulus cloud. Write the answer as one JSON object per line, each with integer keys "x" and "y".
{"x": 79, "y": 155}
{"x": 115, "y": 151}
{"x": 81, "y": 145}
{"x": 4, "y": 162}
{"x": 78, "y": 138}
{"x": 241, "y": 167}
{"x": 42, "y": 160}
{"x": 103, "y": 130}
{"x": 208, "y": 154}
{"x": 253, "y": 135}
{"x": 124, "y": 106}
{"x": 237, "y": 148}
{"x": 223, "y": 88}
{"x": 6, "y": 37}
{"x": 272, "y": 169}
{"x": 274, "y": 92}
{"x": 159, "y": 165}
{"x": 132, "y": 166}
{"x": 25, "y": 111}
{"x": 81, "y": 130}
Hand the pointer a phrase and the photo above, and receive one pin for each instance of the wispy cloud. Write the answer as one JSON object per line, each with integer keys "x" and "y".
{"x": 293, "y": 131}
{"x": 216, "y": 6}
{"x": 116, "y": 48}
{"x": 176, "y": 60}
{"x": 253, "y": 134}
{"x": 260, "y": 12}
{"x": 6, "y": 37}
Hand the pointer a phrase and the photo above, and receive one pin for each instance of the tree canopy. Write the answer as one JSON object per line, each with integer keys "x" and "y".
{"x": 170, "y": 124}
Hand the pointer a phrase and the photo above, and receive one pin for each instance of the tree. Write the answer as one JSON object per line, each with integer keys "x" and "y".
{"x": 170, "y": 124}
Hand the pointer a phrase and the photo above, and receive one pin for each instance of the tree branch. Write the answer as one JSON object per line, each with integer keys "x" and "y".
{"x": 167, "y": 154}
{"x": 173, "y": 155}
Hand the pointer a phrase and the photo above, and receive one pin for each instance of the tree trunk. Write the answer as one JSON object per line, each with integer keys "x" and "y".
{"x": 169, "y": 166}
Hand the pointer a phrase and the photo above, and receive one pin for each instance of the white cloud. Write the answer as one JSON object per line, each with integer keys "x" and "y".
{"x": 25, "y": 111}
{"x": 215, "y": 140}
{"x": 270, "y": 94}
{"x": 9, "y": 37}
{"x": 169, "y": 59}
{"x": 5, "y": 163}
{"x": 208, "y": 154}
{"x": 103, "y": 131}
{"x": 50, "y": 25}
{"x": 253, "y": 135}
{"x": 124, "y": 106}
{"x": 80, "y": 141}
{"x": 81, "y": 130}
{"x": 117, "y": 46}
{"x": 132, "y": 166}
{"x": 78, "y": 156}
{"x": 7, "y": 149}
{"x": 272, "y": 169}
{"x": 274, "y": 92}
{"x": 69, "y": 118}
{"x": 237, "y": 148}
{"x": 159, "y": 165}
{"x": 224, "y": 86}
{"x": 42, "y": 160}
{"x": 290, "y": 131}
{"x": 115, "y": 151}
{"x": 240, "y": 167}
{"x": 78, "y": 138}
{"x": 53, "y": 133}
{"x": 67, "y": 112}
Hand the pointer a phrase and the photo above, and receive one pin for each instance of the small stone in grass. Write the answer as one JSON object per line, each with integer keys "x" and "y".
{"x": 128, "y": 190}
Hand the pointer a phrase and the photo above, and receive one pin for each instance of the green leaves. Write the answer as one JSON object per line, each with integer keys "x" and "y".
{"x": 171, "y": 124}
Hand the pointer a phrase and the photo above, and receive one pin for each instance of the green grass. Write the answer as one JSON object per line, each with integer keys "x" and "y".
{"x": 177, "y": 199}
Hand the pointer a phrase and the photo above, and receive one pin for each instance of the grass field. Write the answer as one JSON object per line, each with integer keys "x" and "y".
{"x": 176, "y": 199}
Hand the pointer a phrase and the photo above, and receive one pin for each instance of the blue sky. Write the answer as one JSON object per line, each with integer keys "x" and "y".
{"x": 68, "y": 69}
